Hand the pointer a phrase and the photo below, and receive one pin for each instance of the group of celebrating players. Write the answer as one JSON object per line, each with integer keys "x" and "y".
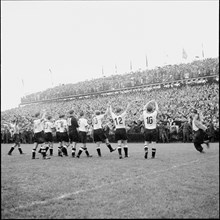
{"x": 71, "y": 131}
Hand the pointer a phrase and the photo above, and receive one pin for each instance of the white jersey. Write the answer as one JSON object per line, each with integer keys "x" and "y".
{"x": 194, "y": 127}
{"x": 83, "y": 124}
{"x": 150, "y": 119}
{"x": 14, "y": 128}
{"x": 61, "y": 125}
{"x": 48, "y": 126}
{"x": 119, "y": 120}
{"x": 57, "y": 125}
{"x": 38, "y": 125}
{"x": 197, "y": 123}
{"x": 97, "y": 121}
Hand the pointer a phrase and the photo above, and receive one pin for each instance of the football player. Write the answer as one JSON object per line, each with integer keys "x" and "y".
{"x": 48, "y": 126}
{"x": 15, "y": 129}
{"x": 62, "y": 129}
{"x": 83, "y": 129}
{"x": 199, "y": 132}
{"x": 73, "y": 128}
{"x": 149, "y": 117}
{"x": 39, "y": 134}
{"x": 98, "y": 132}
{"x": 120, "y": 129}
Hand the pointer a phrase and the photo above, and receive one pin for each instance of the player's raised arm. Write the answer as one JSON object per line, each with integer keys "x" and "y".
{"x": 110, "y": 109}
{"x": 107, "y": 111}
{"x": 127, "y": 107}
{"x": 156, "y": 106}
{"x": 43, "y": 115}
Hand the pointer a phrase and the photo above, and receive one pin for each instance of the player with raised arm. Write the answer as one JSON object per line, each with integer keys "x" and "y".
{"x": 57, "y": 127}
{"x": 15, "y": 129}
{"x": 149, "y": 117}
{"x": 83, "y": 129}
{"x": 39, "y": 134}
{"x": 199, "y": 132}
{"x": 120, "y": 132}
{"x": 62, "y": 127}
{"x": 98, "y": 132}
{"x": 73, "y": 131}
{"x": 48, "y": 126}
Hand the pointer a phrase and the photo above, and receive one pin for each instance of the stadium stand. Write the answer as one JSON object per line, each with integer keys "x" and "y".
{"x": 177, "y": 88}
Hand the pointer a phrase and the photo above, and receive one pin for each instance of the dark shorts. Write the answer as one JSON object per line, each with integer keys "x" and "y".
{"x": 99, "y": 135}
{"x": 64, "y": 136}
{"x": 121, "y": 134}
{"x": 58, "y": 136}
{"x": 82, "y": 136}
{"x": 48, "y": 137}
{"x": 39, "y": 137}
{"x": 73, "y": 136}
{"x": 150, "y": 135}
{"x": 16, "y": 138}
{"x": 199, "y": 136}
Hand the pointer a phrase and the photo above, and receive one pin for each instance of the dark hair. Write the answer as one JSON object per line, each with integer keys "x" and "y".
{"x": 37, "y": 114}
{"x": 97, "y": 112}
{"x": 118, "y": 110}
{"x": 149, "y": 108}
{"x": 81, "y": 113}
{"x": 195, "y": 111}
{"x": 71, "y": 111}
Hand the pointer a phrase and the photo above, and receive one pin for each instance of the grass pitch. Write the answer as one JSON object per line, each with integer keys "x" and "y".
{"x": 179, "y": 183}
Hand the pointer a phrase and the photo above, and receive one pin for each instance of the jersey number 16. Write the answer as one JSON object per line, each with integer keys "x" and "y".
{"x": 149, "y": 120}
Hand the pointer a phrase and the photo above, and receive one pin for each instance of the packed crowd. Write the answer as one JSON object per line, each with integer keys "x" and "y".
{"x": 198, "y": 68}
{"x": 175, "y": 105}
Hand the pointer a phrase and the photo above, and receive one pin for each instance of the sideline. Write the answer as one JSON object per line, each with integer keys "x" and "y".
{"x": 107, "y": 184}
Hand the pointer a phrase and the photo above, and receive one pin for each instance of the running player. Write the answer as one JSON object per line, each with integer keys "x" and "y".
{"x": 120, "y": 132}
{"x": 98, "y": 132}
{"x": 199, "y": 132}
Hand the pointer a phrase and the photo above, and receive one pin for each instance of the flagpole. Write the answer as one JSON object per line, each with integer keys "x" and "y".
{"x": 116, "y": 69}
{"x": 130, "y": 66}
{"x": 22, "y": 82}
{"x": 184, "y": 55}
{"x": 146, "y": 61}
{"x": 102, "y": 72}
{"x": 203, "y": 56}
{"x": 51, "y": 77}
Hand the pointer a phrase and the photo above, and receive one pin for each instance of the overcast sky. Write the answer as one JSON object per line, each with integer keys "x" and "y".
{"x": 77, "y": 39}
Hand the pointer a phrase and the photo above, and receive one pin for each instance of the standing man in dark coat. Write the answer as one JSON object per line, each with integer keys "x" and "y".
{"x": 73, "y": 131}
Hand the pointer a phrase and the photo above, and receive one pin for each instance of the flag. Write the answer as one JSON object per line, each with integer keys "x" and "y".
{"x": 146, "y": 62}
{"x": 184, "y": 54}
{"x": 116, "y": 69}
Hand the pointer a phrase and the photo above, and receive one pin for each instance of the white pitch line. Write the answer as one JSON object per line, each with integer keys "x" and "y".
{"x": 100, "y": 186}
